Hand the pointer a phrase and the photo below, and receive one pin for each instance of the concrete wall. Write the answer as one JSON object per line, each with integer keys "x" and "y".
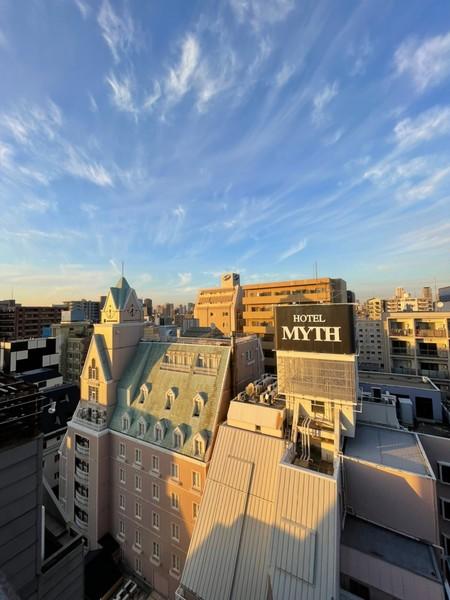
{"x": 63, "y": 574}
{"x": 20, "y": 515}
{"x": 398, "y": 500}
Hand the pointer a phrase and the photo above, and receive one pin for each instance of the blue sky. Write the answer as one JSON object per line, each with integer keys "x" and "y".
{"x": 191, "y": 138}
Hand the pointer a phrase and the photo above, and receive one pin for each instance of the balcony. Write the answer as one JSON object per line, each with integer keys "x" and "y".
{"x": 404, "y": 370}
{"x": 402, "y": 351}
{"x": 82, "y": 449}
{"x": 92, "y": 417}
{"x": 82, "y": 474}
{"x": 81, "y": 523}
{"x": 434, "y": 374}
{"x": 430, "y": 353}
{"x": 80, "y": 499}
{"x": 401, "y": 331}
{"x": 431, "y": 332}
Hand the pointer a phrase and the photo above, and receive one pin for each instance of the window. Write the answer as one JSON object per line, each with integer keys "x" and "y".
{"x": 121, "y": 528}
{"x": 175, "y": 501}
{"x": 155, "y": 492}
{"x": 317, "y": 407}
{"x": 174, "y": 471}
{"x": 155, "y": 520}
{"x": 137, "y": 538}
{"x": 199, "y": 445}
{"x": 122, "y": 450}
{"x": 141, "y": 428}
{"x": 93, "y": 374}
{"x": 170, "y": 396}
{"x": 175, "y": 563}
{"x": 122, "y": 501}
{"x": 359, "y": 589}
{"x": 138, "y": 483}
{"x": 138, "y": 456}
{"x": 444, "y": 472}
{"x": 196, "y": 480}
{"x": 445, "y": 509}
{"x": 92, "y": 393}
{"x": 177, "y": 439}
{"x": 138, "y": 510}
{"x": 195, "y": 509}
{"x": 122, "y": 476}
{"x": 159, "y": 432}
{"x": 155, "y": 464}
{"x": 197, "y": 408}
{"x": 125, "y": 423}
{"x": 138, "y": 566}
{"x": 175, "y": 531}
{"x": 155, "y": 551}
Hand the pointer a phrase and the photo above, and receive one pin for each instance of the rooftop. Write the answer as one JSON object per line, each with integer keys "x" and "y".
{"x": 412, "y": 381}
{"x": 391, "y": 547}
{"x": 394, "y": 448}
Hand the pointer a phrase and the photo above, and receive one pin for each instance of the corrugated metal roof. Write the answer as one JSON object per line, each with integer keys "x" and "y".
{"x": 304, "y": 548}
{"x": 228, "y": 554}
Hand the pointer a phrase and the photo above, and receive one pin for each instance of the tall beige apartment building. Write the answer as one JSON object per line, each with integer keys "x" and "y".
{"x": 221, "y": 307}
{"x": 417, "y": 343}
{"x": 375, "y": 308}
{"x": 260, "y": 298}
{"x": 136, "y": 453}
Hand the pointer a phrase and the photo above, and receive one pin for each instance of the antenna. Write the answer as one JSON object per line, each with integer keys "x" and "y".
{"x": 315, "y": 270}
{"x": 123, "y": 267}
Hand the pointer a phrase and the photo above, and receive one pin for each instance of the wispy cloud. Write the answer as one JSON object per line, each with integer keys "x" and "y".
{"x": 260, "y": 13}
{"x": 38, "y": 205}
{"x": 284, "y": 74}
{"x": 321, "y": 100}
{"x": 122, "y": 93}
{"x": 83, "y": 7}
{"x": 92, "y": 103}
{"x": 360, "y": 55}
{"x": 89, "y": 209}
{"x": 184, "y": 279}
{"x": 117, "y": 31}
{"x": 3, "y": 40}
{"x": 334, "y": 137}
{"x": 180, "y": 78}
{"x": 79, "y": 165}
{"x": 295, "y": 249}
{"x": 426, "y": 62}
{"x": 153, "y": 97}
{"x": 428, "y": 125}
{"x": 425, "y": 188}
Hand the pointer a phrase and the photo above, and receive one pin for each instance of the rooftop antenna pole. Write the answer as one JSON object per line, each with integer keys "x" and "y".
{"x": 315, "y": 269}
{"x": 122, "y": 268}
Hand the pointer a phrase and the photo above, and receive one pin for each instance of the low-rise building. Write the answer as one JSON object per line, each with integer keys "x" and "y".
{"x": 370, "y": 337}
{"x": 74, "y": 334}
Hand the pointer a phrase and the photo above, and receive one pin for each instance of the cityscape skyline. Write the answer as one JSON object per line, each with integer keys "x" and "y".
{"x": 133, "y": 133}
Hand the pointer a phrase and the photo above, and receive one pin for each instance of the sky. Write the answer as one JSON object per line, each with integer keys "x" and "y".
{"x": 190, "y": 138}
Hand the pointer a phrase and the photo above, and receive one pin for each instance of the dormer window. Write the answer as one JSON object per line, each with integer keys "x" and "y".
{"x": 125, "y": 423}
{"x": 199, "y": 445}
{"x": 142, "y": 427}
{"x": 201, "y": 361}
{"x": 145, "y": 389}
{"x": 178, "y": 438}
{"x": 170, "y": 397}
{"x": 92, "y": 371}
{"x": 159, "y": 432}
{"x": 198, "y": 403}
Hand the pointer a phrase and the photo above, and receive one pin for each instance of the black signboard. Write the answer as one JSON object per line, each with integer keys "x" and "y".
{"x": 315, "y": 328}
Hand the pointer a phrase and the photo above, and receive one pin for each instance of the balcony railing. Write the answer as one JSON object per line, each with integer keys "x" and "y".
{"x": 81, "y": 523}
{"x": 81, "y": 474}
{"x": 400, "y": 331}
{"x": 404, "y": 370}
{"x": 432, "y": 353}
{"x": 431, "y": 332}
{"x": 82, "y": 449}
{"x": 93, "y": 417}
{"x": 80, "y": 499}
{"x": 402, "y": 351}
{"x": 434, "y": 374}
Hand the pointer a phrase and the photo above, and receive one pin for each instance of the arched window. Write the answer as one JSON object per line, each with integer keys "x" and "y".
{"x": 125, "y": 423}
{"x": 170, "y": 397}
{"x": 198, "y": 401}
{"x": 93, "y": 374}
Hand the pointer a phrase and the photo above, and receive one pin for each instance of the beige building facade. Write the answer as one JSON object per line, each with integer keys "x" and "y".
{"x": 260, "y": 298}
{"x": 417, "y": 343}
{"x": 371, "y": 351}
{"x": 221, "y": 307}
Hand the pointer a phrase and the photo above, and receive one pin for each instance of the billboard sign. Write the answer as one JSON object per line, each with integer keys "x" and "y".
{"x": 326, "y": 328}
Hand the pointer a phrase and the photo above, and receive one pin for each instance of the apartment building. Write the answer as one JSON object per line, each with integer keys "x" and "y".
{"x": 22, "y": 322}
{"x": 74, "y": 334}
{"x": 260, "y": 298}
{"x": 135, "y": 457}
{"x": 375, "y": 308}
{"x": 41, "y": 557}
{"x": 274, "y": 521}
{"x": 403, "y": 301}
{"x": 417, "y": 343}
{"x": 221, "y": 307}
{"x": 370, "y": 337}
{"x": 89, "y": 308}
